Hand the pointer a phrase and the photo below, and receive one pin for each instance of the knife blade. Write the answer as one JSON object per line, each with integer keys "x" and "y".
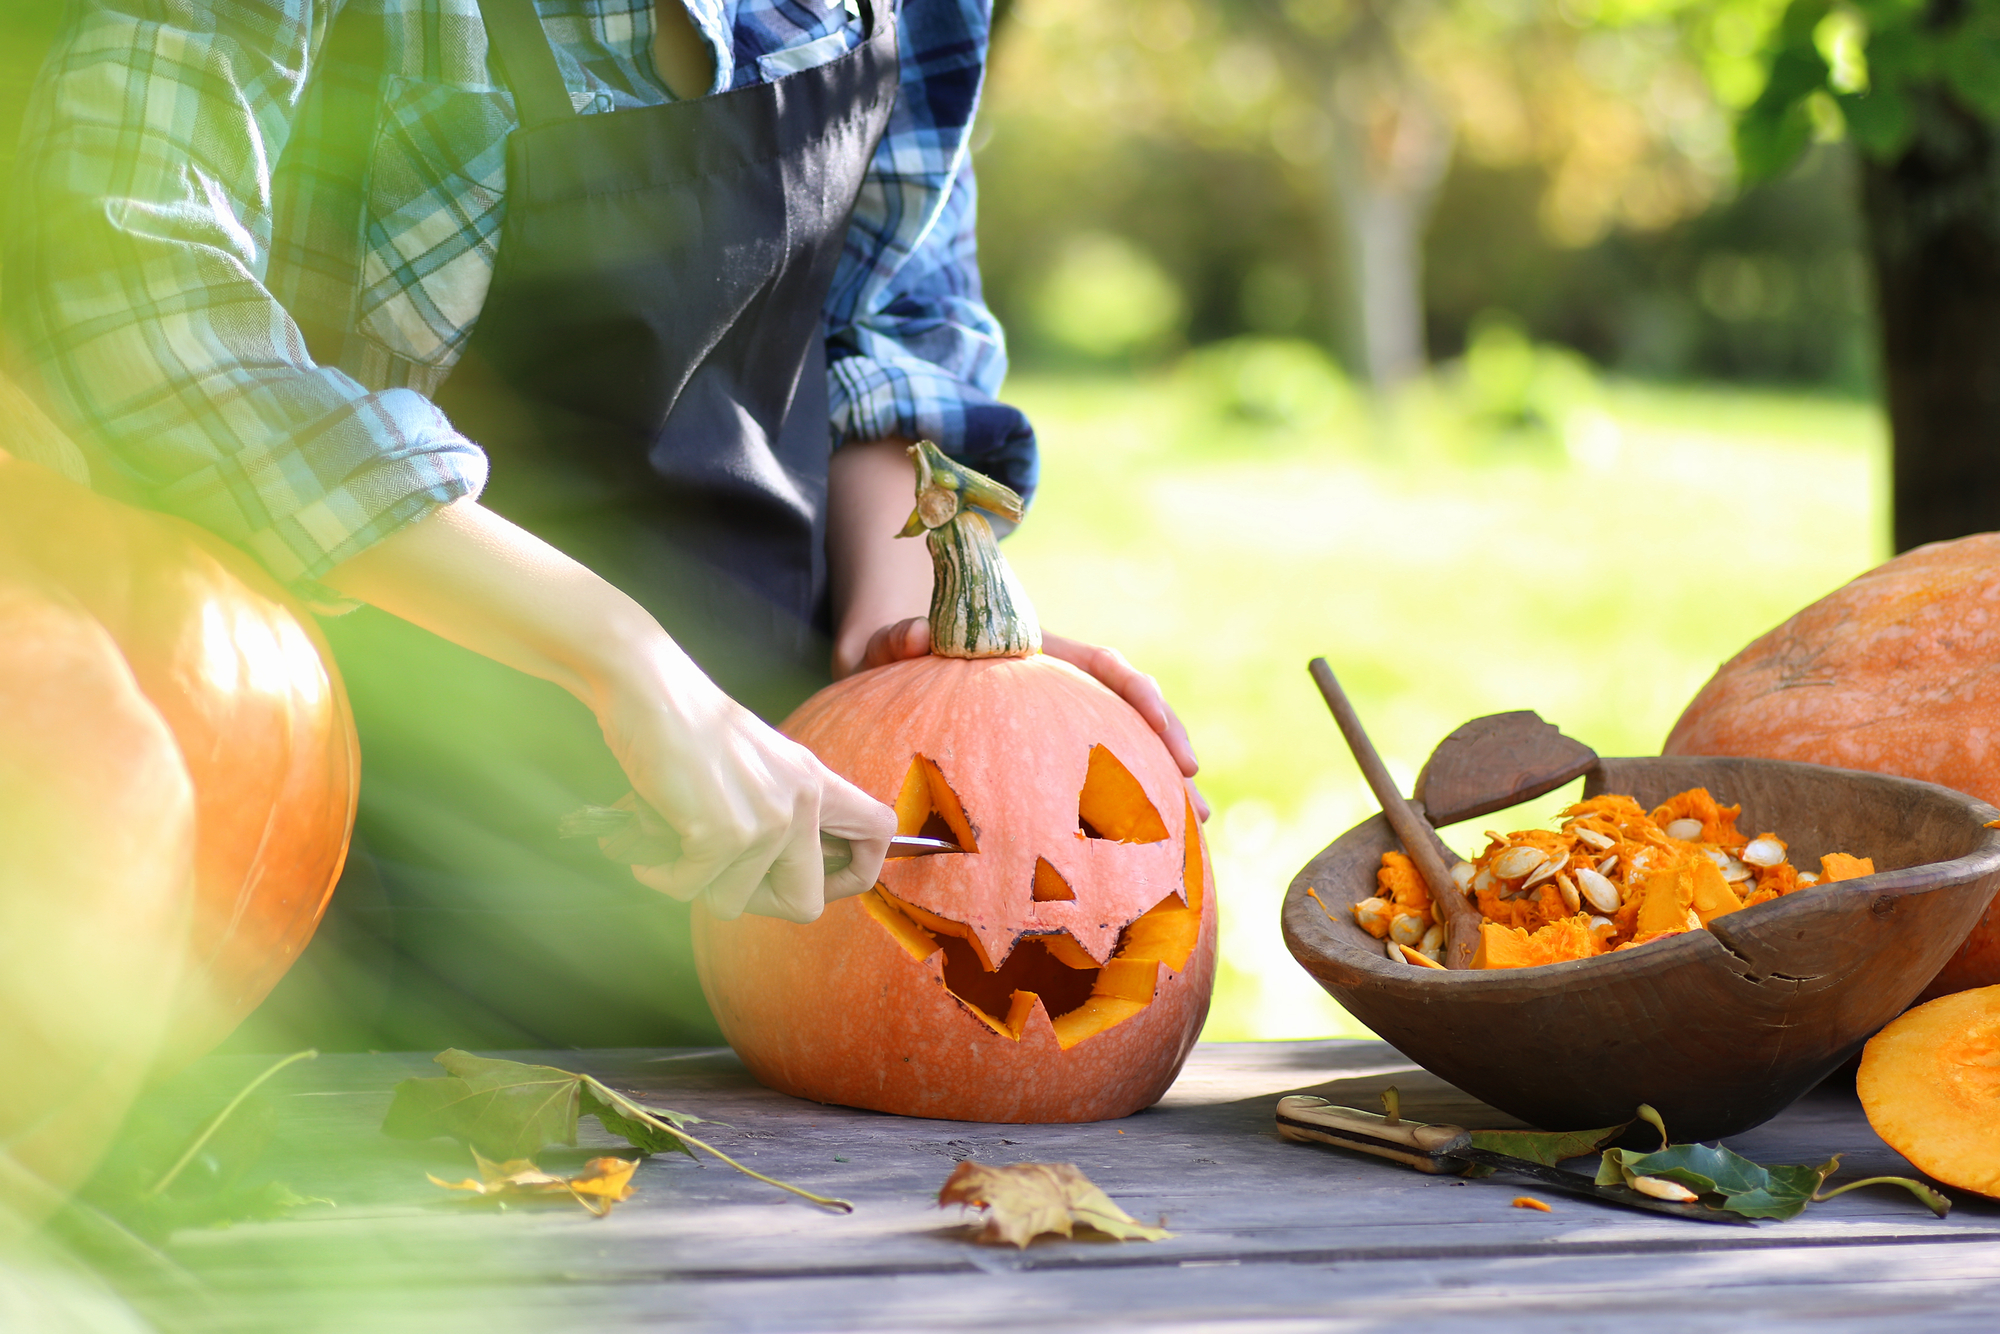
{"x": 644, "y": 839}
{"x": 1444, "y": 1150}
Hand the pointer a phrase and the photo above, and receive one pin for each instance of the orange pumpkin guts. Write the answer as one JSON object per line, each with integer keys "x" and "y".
{"x": 1060, "y": 967}
{"x": 1890, "y": 673}
{"x": 1930, "y": 1083}
{"x": 236, "y": 678}
{"x": 1614, "y": 877}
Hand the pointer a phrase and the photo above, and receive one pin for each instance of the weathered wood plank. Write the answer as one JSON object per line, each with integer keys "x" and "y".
{"x": 1266, "y": 1230}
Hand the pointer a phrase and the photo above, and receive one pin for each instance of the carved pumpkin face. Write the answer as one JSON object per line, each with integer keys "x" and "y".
{"x": 1058, "y": 969}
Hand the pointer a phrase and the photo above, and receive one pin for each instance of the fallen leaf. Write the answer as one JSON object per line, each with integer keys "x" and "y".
{"x": 1724, "y": 1179}
{"x": 508, "y": 1110}
{"x": 1547, "y": 1147}
{"x": 602, "y": 1183}
{"x": 1028, "y": 1199}
{"x": 1530, "y": 1202}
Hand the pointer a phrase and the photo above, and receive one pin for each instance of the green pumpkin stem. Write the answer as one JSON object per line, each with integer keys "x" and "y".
{"x": 978, "y": 608}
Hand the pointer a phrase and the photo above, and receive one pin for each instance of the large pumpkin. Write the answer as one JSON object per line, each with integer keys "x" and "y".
{"x": 1894, "y": 673}
{"x": 96, "y": 880}
{"x": 238, "y": 677}
{"x": 1059, "y": 968}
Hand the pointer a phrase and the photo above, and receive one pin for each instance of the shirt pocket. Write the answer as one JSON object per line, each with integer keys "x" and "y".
{"x": 435, "y": 200}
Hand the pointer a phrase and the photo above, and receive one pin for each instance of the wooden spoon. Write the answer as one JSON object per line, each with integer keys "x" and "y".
{"x": 1418, "y": 838}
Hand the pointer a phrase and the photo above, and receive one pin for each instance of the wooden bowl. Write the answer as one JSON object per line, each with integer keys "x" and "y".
{"x": 1719, "y": 1029}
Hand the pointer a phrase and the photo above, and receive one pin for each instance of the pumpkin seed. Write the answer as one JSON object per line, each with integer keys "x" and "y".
{"x": 1764, "y": 850}
{"x": 1807, "y": 880}
{"x": 1599, "y": 923}
{"x": 1602, "y": 893}
{"x": 1395, "y": 952}
{"x": 1571, "y": 899}
{"x": 1544, "y": 871}
{"x": 1372, "y": 915}
{"x": 1602, "y": 842}
{"x": 1685, "y": 829}
{"x": 1606, "y": 866}
{"x": 1516, "y": 862}
{"x": 1483, "y": 881}
{"x": 1735, "y": 872}
{"x": 1433, "y": 941}
{"x": 1662, "y": 1189}
{"x": 1406, "y": 929}
{"x": 1463, "y": 873}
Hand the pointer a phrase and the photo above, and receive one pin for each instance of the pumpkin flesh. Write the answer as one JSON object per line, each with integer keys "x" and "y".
{"x": 1930, "y": 1084}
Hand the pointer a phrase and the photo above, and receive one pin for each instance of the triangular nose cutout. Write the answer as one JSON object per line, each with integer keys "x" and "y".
{"x": 1050, "y": 887}
{"x": 929, "y": 807}
{"x": 1114, "y": 806}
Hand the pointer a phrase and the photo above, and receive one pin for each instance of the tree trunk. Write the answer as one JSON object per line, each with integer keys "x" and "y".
{"x": 1934, "y": 241}
{"x": 1384, "y": 208}
{"x": 1391, "y": 146}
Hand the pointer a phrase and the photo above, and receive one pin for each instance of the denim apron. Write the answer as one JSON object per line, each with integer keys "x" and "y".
{"x": 648, "y": 378}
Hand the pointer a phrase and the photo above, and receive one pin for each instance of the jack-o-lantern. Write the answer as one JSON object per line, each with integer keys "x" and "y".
{"x": 1059, "y": 967}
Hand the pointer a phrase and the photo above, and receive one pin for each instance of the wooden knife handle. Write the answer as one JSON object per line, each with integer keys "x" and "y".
{"x": 1428, "y": 1148}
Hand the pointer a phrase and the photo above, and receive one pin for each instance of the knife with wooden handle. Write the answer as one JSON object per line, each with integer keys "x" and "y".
{"x": 1442, "y": 1150}
{"x": 643, "y": 839}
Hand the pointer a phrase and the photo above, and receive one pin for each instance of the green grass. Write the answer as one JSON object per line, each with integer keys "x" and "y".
{"x": 1447, "y": 560}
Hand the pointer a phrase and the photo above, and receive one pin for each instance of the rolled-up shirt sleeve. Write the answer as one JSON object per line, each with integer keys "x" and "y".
{"x": 138, "y": 235}
{"x": 912, "y": 348}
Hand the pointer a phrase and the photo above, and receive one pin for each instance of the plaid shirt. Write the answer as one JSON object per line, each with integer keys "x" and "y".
{"x": 206, "y": 185}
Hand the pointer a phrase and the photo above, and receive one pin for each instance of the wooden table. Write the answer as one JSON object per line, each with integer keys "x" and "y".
{"x": 1267, "y": 1233}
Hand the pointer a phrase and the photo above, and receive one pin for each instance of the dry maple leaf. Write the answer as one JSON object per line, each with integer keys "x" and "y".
{"x": 602, "y": 1183}
{"x": 1027, "y": 1199}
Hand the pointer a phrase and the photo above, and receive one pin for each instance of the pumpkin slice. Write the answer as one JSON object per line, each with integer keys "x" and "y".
{"x": 1930, "y": 1083}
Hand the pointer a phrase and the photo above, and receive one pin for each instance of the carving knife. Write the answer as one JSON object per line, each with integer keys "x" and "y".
{"x": 644, "y": 839}
{"x": 1441, "y": 1150}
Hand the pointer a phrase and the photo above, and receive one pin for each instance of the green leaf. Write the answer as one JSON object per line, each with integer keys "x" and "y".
{"x": 504, "y": 1109}
{"x": 621, "y": 1116}
{"x": 1727, "y": 1180}
{"x": 1548, "y": 1147}
{"x": 1933, "y": 1200}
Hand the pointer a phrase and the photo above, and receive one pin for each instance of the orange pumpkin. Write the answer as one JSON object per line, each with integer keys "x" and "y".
{"x": 97, "y": 819}
{"x": 240, "y": 678}
{"x": 1891, "y": 673}
{"x": 1060, "y": 968}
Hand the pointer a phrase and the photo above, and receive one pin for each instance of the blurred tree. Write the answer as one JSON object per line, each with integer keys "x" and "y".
{"x": 1915, "y": 84}
{"x": 1282, "y": 159}
{"x": 1389, "y": 146}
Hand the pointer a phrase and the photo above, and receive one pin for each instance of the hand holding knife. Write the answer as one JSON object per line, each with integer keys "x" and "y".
{"x": 1443, "y": 1150}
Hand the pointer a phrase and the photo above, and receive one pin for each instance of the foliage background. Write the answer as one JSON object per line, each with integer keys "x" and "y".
{"x": 1649, "y": 431}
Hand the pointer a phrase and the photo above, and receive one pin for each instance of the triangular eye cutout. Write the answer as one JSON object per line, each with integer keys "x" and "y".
{"x": 929, "y": 807}
{"x": 1050, "y": 887}
{"x": 1114, "y": 806}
